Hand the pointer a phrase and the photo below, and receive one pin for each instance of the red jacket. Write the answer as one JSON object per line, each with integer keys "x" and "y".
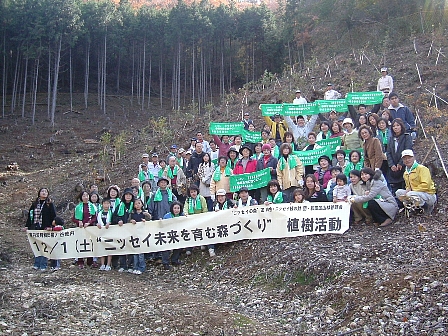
{"x": 251, "y": 167}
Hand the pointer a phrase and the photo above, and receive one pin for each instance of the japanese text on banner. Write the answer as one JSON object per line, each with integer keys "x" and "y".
{"x": 367, "y": 98}
{"x": 258, "y": 179}
{"x": 226, "y": 128}
{"x": 255, "y": 222}
{"x": 311, "y": 157}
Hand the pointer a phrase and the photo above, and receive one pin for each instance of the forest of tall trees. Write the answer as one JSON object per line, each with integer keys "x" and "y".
{"x": 189, "y": 55}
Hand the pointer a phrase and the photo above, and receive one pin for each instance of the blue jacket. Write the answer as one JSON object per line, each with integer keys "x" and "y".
{"x": 405, "y": 114}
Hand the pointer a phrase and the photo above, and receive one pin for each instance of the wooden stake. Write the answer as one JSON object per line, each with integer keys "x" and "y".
{"x": 415, "y": 47}
{"x": 437, "y": 96}
{"x": 427, "y": 154}
{"x": 421, "y": 125}
{"x": 430, "y": 49}
{"x": 418, "y": 71}
{"x": 440, "y": 156}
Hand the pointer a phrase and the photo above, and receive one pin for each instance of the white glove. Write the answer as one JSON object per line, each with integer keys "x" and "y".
{"x": 351, "y": 199}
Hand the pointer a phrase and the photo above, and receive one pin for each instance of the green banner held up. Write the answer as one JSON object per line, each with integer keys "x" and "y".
{"x": 249, "y": 136}
{"x": 252, "y": 181}
{"x": 311, "y": 157}
{"x": 331, "y": 142}
{"x": 300, "y": 109}
{"x": 268, "y": 110}
{"x": 226, "y": 128}
{"x": 339, "y": 105}
{"x": 367, "y": 98}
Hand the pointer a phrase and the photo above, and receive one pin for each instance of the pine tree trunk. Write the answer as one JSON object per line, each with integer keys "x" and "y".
{"x": 36, "y": 77}
{"x": 143, "y": 72}
{"x": 25, "y": 77}
{"x": 71, "y": 79}
{"x": 4, "y": 81}
{"x": 86, "y": 76}
{"x": 49, "y": 82}
{"x": 55, "y": 81}
{"x": 15, "y": 83}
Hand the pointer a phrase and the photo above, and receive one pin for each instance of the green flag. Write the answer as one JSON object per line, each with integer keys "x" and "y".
{"x": 249, "y": 136}
{"x": 252, "y": 181}
{"x": 331, "y": 142}
{"x": 268, "y": 110}
{"x": 300, "y": 109}
{"x": 226, "y": 128}
{"x": 339, "y": 105}
{"x": 367, "y": 98}
{"x": 311, "y": 157}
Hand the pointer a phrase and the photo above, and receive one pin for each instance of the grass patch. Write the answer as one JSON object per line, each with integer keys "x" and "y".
{"x": 242, "y": 320}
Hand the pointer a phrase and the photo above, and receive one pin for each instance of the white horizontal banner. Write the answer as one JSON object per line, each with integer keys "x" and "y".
{"x": 255, "y": 222}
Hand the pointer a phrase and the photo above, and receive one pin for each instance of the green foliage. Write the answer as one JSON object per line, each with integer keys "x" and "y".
{"x": 120, "y": 144}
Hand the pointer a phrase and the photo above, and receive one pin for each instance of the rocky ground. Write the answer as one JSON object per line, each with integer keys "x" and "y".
{"x": 368, "y": 281}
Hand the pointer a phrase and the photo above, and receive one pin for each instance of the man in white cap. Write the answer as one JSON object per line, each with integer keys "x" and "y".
{"x": 420, "y": 190}
{"x": 330, "y": 93}
{"x": 299, "y": 99}
{"x": 154, "y": 166}
{"x": 385, "y": 83}
{"x": 145, "y": 160}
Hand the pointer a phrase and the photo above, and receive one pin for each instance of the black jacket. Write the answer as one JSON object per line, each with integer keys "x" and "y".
{"x": 47, "y": 215}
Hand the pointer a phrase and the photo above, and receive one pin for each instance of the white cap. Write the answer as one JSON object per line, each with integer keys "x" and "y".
{"x": 181, "y": 150}
{"x": 221, "y": 192}
{"x": 188, "y": 152}
{"x": 407, "y": 152}
{"x": 384, "y": 69}
{"x": 298, "y": 91}
{"x": 347, "y": 121}
{"x": 145, "y": 155}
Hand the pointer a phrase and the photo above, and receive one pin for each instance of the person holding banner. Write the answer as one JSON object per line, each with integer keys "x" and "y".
{"x": 221, "y": 178}
{"x": 246, "y": 164}
{"x": 267, "y": 161}
{"x": 223, "y": 144}
{"x": 222, "y": 201}
{"x": 40, "y": 217}
{"x": 380, "y": 202}
{"x": 162, "y": 199}
{"x": 302, "y": 129}
{"x": 289, "y": 171}
{"x": 176, "y": 210}
{"x": 373, "y": 151}
{"x": 278, "y": 127}
{"x": 244, "y": 199}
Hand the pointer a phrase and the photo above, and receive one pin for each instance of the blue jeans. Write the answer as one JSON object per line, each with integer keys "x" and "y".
{"x": 174, "y": 256}
{"x": 139, "y": 262}
{"x": 126, "y": 261}
{"x": 55, "y": 263}
{"x": 40, "y": 262}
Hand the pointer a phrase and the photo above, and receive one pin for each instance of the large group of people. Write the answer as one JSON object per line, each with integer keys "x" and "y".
{"x": 374, "y": 169}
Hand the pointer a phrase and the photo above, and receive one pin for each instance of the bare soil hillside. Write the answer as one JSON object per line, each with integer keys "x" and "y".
{"x": 369, "y": 281}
